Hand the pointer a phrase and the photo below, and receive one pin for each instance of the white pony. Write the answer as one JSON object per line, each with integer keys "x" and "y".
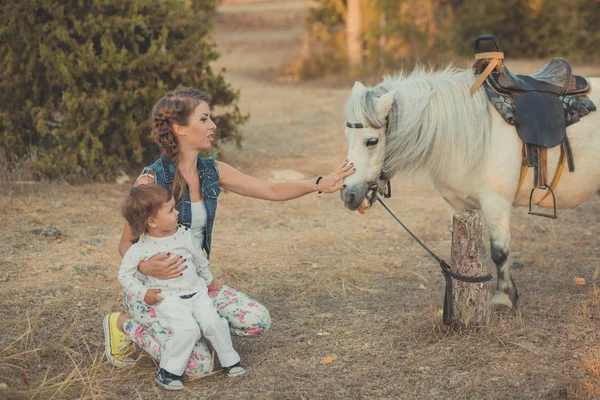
{"x": 428, "y": 121}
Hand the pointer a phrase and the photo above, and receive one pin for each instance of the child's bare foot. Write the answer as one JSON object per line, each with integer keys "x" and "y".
{"x": 121, "y": 322}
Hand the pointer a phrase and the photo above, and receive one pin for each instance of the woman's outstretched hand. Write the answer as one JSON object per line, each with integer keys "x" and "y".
{"x": 332, "y": 182}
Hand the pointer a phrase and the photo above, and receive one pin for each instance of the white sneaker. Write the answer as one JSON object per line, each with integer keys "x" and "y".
{"x": 235, "y": 370}
{"x": 168, "y": 381}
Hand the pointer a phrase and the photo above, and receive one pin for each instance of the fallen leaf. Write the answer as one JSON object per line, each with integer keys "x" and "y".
{"x": 323, "y": 333}
{"x": 327, "y": 360}
{"x": 579, "y": 281}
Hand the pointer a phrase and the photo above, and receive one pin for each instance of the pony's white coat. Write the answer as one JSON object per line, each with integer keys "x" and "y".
{"x": 473, "y": 157}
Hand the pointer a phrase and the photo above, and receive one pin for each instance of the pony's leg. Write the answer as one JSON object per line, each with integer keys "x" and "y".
{"x": 496, "y": 211}
{"x": 451, "y": 208}
{"x": 452, "y": 202}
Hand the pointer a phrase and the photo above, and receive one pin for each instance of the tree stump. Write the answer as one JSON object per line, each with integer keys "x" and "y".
{"x": 471, "y": 305}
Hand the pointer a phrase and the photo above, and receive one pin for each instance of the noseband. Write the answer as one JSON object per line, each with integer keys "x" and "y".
{"x": 386, "y": 190}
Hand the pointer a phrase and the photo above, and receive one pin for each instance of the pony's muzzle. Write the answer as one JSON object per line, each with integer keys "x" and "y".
{"x": 352, "y": 196}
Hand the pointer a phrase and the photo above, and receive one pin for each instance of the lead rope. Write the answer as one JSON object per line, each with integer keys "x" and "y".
{"x": 447, "y": 316}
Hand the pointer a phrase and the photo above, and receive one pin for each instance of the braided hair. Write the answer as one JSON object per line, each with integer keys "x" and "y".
{"x": 175, "y": 107}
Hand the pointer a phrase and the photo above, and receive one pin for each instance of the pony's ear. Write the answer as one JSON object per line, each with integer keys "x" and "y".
{"x": 358, "y": 87}
{"x": 384, "y": 104}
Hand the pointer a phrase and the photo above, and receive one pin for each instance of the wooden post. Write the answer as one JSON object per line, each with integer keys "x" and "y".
{"x": 471, "y": 301}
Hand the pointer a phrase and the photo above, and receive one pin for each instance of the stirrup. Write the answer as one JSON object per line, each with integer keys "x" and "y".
{"x": 552, "y": 216}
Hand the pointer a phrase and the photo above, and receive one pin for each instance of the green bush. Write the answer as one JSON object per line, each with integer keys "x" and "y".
{"x": 79, "y": 79}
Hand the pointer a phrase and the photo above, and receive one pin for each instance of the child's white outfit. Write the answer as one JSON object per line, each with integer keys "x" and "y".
{"x": 186, "y": 309}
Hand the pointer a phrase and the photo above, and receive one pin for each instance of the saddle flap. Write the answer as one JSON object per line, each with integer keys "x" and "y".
{"x": 539, "y": 118}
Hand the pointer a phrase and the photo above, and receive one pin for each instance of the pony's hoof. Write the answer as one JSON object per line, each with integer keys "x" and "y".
{"x": 501, "y": 302}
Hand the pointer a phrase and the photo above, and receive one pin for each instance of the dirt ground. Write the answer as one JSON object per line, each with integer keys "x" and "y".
{"x": 336, "y": 283}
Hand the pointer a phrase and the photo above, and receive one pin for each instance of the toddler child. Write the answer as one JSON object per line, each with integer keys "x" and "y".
{"x": 182, "y": 304}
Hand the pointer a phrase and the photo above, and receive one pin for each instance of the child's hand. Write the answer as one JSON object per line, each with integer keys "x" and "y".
{"x": 152, "y": 297}
{"x": 214, "y": 285}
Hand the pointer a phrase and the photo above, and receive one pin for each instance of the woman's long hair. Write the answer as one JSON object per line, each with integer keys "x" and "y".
{"x": 175, "y": 108}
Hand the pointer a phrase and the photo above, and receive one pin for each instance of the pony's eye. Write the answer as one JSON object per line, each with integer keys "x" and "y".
{"x": 371, "y": 142}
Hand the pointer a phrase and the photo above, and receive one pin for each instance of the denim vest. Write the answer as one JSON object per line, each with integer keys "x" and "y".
{"x": 164, "y": 171}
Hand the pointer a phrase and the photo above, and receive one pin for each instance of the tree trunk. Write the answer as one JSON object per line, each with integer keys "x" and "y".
{"x": 470, "y": 300}
{"x": 382, "y": 40}
{"x": 354, "y": 33}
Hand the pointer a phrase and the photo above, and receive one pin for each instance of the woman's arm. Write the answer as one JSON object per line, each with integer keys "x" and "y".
{"x": 127, "y": 278}
{"x": 240, "y": 183}
{"x": 132, "y": 284}
{"x": 126, "y": 240}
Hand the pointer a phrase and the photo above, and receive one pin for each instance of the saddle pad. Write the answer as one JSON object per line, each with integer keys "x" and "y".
{"x": 574, "y": 107}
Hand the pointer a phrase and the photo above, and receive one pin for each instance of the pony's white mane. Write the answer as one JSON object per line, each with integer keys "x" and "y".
{"x": 434, "y": 124}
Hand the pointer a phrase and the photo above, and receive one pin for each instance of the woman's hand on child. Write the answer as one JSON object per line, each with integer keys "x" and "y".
{"x": 161, "y": 267}
{"x": 151, "y": 298}
{"x": 331, "y": 183}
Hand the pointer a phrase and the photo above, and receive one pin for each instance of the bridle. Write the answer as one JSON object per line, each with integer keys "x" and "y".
{"x": 386, "y": 190}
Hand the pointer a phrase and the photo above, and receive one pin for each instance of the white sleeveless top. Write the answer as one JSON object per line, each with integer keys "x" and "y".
{"x": 198, "y": 223}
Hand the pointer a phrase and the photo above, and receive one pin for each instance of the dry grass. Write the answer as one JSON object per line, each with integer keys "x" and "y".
{"x": 373, "y": 304}
{"x": 589, "y": 386}
{"x": 77, "y": 368}
{"x": 13, "y": 169}
{"x": 27, "y": 378}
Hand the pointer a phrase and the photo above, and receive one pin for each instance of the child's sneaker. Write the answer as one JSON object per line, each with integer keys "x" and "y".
{"x": 168, "y": 381}
{"x": 117, "y": 345}
{"x": 235, "y": 370}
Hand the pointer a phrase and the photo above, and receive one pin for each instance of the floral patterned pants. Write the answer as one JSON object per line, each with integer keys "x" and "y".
{"x": 246, "y": 317}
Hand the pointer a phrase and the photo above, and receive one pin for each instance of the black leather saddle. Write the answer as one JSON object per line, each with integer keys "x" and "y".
{"x": 540, "y": 105}
{"x": 538, "y": 110}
